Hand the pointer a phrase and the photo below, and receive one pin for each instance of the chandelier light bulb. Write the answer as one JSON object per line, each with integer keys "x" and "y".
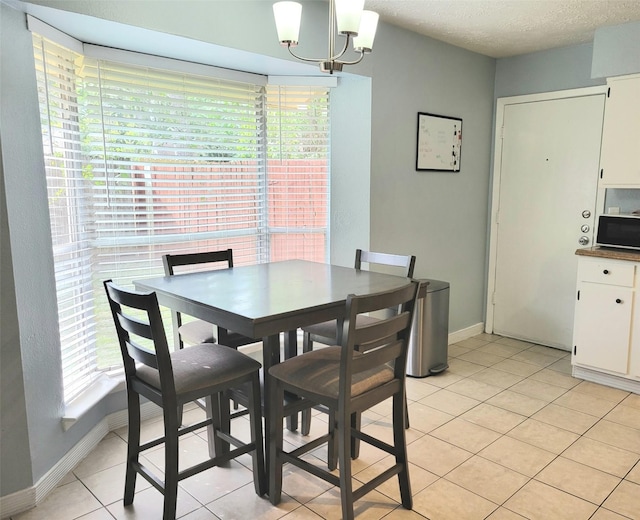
{"x": 366, "y": 32}
{"x": 348, "y": 14}
{"x": 288, "y": 16}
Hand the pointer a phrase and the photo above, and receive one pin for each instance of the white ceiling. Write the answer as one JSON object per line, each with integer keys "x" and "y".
{"x": 502, "y": 28}
{"x": 495, "y": 28}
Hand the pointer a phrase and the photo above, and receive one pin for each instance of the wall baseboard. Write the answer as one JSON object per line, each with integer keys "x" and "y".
{"x": 28, "y": 498}
{"x": 622, "y": 383}
{"x": 467, "y": 333}
{"x": 32, "y": 496}
{"x": 17, "y": 502}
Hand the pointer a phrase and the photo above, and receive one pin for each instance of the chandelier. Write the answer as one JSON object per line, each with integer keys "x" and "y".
{"x": 346, "y": 18}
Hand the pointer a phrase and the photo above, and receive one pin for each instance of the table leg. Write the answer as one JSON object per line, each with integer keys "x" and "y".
{"x": 270, "y": 357}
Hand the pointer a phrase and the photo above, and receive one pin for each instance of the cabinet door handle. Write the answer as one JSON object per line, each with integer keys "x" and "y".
{"x": 606, "y": 271}
{"x": 618, "y": 300}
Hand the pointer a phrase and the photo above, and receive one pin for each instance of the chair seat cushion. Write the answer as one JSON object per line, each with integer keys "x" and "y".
{"x": 329, "y": 329}
{"x": 201, "y": 367}
{"x": 319, "y": 372}
{"x": 196, "y": 332}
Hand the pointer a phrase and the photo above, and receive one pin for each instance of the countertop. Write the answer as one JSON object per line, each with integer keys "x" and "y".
{"x": 610, "y": 253}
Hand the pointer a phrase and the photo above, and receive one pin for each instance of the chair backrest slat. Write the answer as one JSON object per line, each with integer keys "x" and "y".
{"x": 388, "y": 259}
{"x": 141, "y": 354}
{"x": 370, "y": 335}
{"x": 382, "y": 342}
{"x": 134, "y": 325}
{"x": 209, "y": 257}
{"x": 377, "y": 357}
{"x": 126, "y": 308}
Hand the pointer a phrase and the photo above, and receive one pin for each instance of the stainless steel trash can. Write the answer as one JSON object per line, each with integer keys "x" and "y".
{"x": 429, "y": 341}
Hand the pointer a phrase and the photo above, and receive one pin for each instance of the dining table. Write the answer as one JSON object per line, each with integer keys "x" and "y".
{"x": 264, "y": 300}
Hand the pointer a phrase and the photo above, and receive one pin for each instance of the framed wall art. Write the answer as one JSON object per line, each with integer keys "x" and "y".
{"x": 439, "y": 144}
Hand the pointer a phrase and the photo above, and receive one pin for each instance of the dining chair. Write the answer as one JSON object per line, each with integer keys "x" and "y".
{"x": 367, "y": 367}
{"x": 327, "y": 332}
{"x": 199, "y": 331}
{"x": 171, "y": 379}
{"x": 196, "y": 331}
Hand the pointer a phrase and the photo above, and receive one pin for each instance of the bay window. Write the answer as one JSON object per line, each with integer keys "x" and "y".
{"x": 151, "y": 156}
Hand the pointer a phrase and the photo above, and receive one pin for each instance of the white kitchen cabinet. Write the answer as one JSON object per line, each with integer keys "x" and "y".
{"x": 603, "y": 327}
{"x": 634, "y": 357}
{"x": 620, "y": 152}
{"x": 604, "y": 317}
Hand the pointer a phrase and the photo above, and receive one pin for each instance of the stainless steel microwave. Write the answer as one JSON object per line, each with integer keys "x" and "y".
{"x": 619, "y": 231}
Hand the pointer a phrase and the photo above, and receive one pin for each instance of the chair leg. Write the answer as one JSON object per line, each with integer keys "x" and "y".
{"x": 356, "y": 423}
{"x": 343, "y": 429}
{"x": 307, "y": 344}
{"x": 400, "y": 448}
{"x": 216, "y": 445}
{"x": 406, "y": 414}
{"x": 255, "y": 420}
{"x": 291, "y": 350}
{"x": 332, "y": 445}
{"x": 305, "y": 427}
{"x": 276, "y": 407}
{"x": 180, "y": 414}
{"x": 170, "y": 462}
{"x": 133, "y": 446}
{"x": 225, "y": 420}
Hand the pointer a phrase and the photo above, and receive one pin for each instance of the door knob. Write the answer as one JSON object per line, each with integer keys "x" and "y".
{"x": 583, "y": 241}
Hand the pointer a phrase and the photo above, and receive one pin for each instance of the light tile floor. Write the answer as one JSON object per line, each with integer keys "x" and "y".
{"x": 506, "y": 433}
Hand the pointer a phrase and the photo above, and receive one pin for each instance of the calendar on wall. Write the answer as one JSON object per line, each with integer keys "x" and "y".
{"x": 439, "y": 143}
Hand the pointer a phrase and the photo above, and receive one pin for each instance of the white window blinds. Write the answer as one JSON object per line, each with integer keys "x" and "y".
{"x": 298, "y": 150}
{"x": 68, "y": 193}
{"x": 168, "y": 161}
{"x": 175, "y": 160}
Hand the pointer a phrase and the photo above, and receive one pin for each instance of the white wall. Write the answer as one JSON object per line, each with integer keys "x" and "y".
{"x": 438, "y": 216}
{"x": 14, "y": 448}
{"x": 615, "y": 50}
{"x": 546, "y": 71}
{"x": 350, "y": 168}
{"x": 28, "y": 241}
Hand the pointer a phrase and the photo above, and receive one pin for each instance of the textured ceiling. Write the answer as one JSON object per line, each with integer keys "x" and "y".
{"x": 502, "y": 28}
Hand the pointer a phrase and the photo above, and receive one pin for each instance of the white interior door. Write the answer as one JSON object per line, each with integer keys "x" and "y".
{"x": 548, "y": 175}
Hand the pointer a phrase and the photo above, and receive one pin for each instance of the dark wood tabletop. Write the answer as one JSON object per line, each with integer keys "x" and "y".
{"x": 265, "y": 299}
